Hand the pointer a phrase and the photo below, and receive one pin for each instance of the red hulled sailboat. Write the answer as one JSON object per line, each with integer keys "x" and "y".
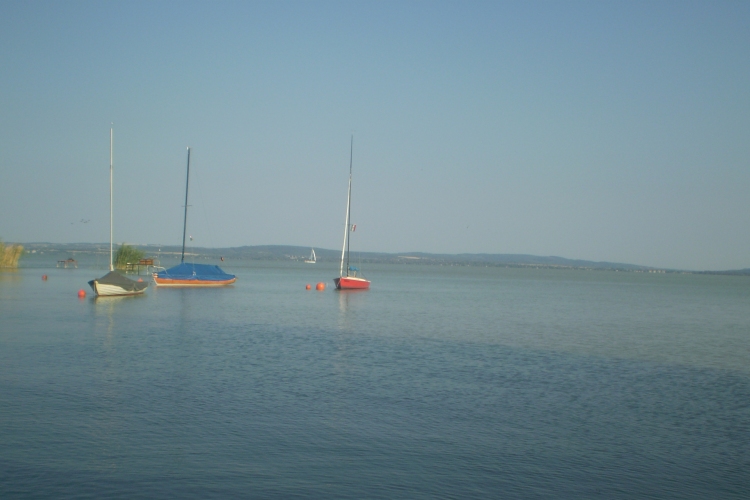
{"x": 352, "y": 279}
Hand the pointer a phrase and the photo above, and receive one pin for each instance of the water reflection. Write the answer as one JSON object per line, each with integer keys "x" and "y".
{"x": 184, "y": 309}
{"x": 104, "y": 311}
{"x": 9, "y": 278}
{"x": 349, "y": 303}
{"x": 107, "y": 368}
{"x": 9, "y": 275}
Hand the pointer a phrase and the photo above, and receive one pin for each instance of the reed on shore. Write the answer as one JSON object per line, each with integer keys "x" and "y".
{"x": 127, "y": 254}
{"x": 9, "y": 255}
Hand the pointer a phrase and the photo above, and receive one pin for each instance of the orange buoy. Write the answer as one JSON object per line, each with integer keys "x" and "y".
{"x": 81, "y": 293}
{"x": 44, "y": 277}
{"x": 307, "y": 287}
{"x": 140, "y": 280}
{"x": 320, "y": 286}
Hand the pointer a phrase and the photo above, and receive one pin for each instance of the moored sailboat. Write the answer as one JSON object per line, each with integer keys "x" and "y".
{"x": 113, "y": 283}
{"x": 351, "y": 280}
{"x": 312, "y": 259}
{"x": 189, "y": 274}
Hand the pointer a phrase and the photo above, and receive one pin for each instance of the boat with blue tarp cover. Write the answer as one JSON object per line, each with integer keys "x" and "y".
{"x": 189, "y": 274}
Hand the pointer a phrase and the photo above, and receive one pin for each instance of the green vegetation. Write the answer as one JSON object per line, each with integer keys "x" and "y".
{"x": 9, "y": 255}
{"x": 127, "y": 255}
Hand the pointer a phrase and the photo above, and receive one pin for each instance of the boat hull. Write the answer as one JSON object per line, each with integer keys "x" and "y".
{"x": 351, "y": 283}
{"x": 107, "y": 290}
{"x": 188, "y": 282}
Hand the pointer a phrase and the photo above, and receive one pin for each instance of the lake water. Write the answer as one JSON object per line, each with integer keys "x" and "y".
{"x": 439, "y": 382}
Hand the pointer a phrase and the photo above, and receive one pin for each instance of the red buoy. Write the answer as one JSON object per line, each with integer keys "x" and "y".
{"x": 320, "y": 286}
{"x": 307, "y": 287}
{"x": 81, "y": 293}
{"x": 140, "y": 280}
{"x": 44, "y": 277}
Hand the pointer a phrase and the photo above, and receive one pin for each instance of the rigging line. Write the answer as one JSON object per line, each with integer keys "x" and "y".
{"x": 184, "y": 224}
{"x": 201, "y": 207}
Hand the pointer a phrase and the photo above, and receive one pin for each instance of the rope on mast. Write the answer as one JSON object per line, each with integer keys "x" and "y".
{"x": 184, "y": 224}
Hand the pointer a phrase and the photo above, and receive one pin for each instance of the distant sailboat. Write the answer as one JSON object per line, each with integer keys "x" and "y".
{"x": 350, "y": 280}
{"x": 312, "y": 259}
{"x": 113, "y": 283}
{"x": 188, "y": 274}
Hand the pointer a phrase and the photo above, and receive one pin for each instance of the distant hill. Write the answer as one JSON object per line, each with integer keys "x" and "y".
{"x": 298, "y": 253}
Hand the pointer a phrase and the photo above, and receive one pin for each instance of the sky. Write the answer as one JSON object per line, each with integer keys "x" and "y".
{"x": 606, "y": 131}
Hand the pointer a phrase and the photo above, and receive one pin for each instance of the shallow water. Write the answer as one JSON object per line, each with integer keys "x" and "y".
{"x": 439, "y": 382}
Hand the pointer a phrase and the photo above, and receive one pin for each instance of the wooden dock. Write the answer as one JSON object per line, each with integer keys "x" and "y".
{"x": 136, "y": 267}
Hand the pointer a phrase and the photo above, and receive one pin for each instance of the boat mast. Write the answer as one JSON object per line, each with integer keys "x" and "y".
{"x": 349, "y": 203}
{"x": 345, "y": 249}
{"x": 111, "y": 266}
{"x": 184, "y": 223}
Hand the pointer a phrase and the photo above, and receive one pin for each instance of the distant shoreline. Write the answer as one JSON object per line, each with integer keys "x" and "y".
{"x": 299, "y": 253}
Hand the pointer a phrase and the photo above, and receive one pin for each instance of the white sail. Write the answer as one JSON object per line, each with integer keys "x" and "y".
{"x": 349, "y": 280}
{"x": 312, "y": 258}
{"x": 344, "y": 251}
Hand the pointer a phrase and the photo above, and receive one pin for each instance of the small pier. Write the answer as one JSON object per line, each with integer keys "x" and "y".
{"x": 145, "y": 264}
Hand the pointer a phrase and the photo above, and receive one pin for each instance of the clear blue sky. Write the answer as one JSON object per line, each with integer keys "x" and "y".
{"x": 615, "y": 131}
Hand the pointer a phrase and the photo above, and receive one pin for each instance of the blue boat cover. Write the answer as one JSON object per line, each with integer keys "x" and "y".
{"x": 187, "y": 271}
{"x": 352, "y": 268}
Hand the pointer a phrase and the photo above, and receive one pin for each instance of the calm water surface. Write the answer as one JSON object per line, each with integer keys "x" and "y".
{"x": 440, "y": 382}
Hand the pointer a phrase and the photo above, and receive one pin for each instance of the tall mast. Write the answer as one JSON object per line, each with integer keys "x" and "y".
{"x": 184, "y": 224}
{"x": 345, "y": 249}
{"x": 111, "y": 135}
{"x": 349, "y": 203}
